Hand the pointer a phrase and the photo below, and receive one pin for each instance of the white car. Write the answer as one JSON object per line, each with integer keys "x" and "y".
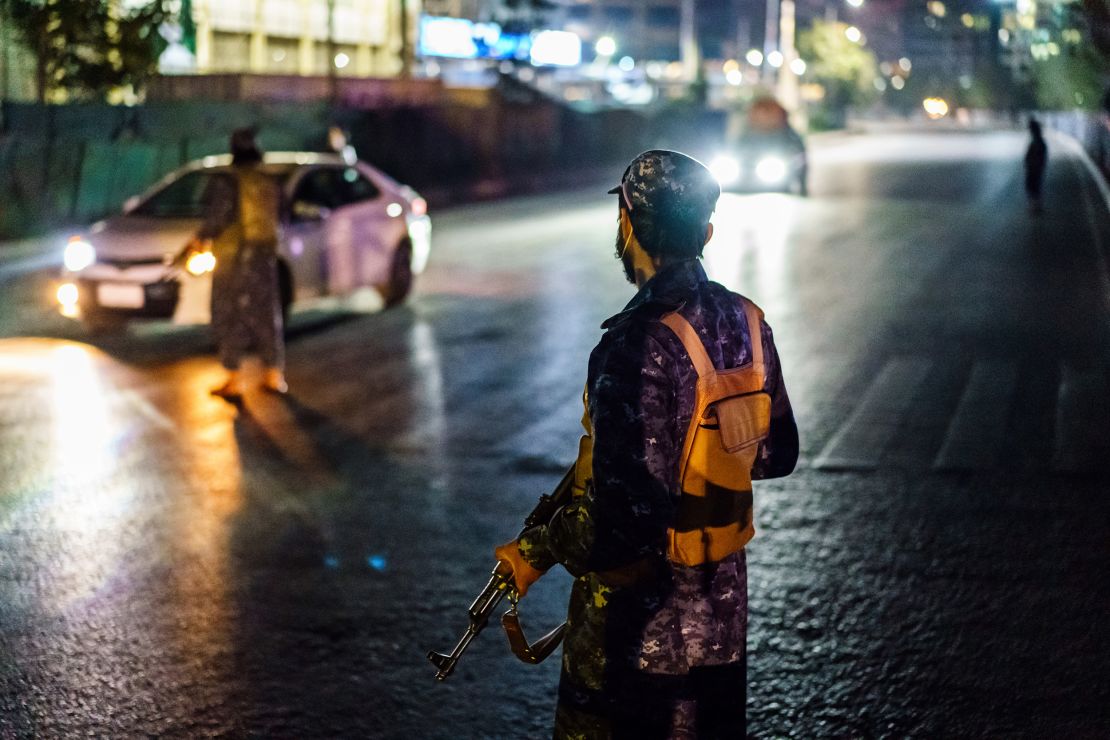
{"x": 345, "y": 225}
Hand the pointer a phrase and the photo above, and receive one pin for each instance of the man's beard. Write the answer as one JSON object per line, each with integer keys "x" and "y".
{"x": 626, "y": 260}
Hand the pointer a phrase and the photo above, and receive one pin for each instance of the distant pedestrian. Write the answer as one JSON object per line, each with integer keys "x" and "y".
{"x": 1036, "y": 158}
{"x": 241, "y": 223}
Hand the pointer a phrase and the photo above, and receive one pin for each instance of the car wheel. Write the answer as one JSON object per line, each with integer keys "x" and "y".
{"x": 400, "y": 275}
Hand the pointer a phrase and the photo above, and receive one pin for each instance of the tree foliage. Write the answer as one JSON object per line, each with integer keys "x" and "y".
{"x": 846, "y": 70}
{"x": 84, "y": 49}
{"x": 1072, "y": 79}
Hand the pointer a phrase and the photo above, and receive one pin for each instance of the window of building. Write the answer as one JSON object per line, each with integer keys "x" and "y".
{"x": 283, "y": 18}
{"x": 663, "y": 16}
{"x": 579, "y": 12}
{"x": 617, "y": 14}
{"x": 232, "y": 15}
{"x": 230, "y": 52}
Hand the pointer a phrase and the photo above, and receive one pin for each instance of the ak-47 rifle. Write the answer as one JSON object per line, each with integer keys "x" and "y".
{"x": 500, "y": 585}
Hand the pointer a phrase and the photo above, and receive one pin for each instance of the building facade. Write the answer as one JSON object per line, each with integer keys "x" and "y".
{"x": 361, "y": 38}
{"x": 642, "y": 29}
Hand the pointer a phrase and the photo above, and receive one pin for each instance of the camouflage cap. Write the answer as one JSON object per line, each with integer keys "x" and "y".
{"x": 669, "y": 183}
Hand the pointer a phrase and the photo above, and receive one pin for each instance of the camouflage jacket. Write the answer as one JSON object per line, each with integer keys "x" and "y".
{"x": 641, "y": 388}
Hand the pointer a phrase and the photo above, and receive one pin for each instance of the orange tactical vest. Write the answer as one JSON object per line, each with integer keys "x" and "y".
{"x": 732, "y": 414}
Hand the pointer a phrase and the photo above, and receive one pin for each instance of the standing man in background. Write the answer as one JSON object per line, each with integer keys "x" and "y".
{"x": 1036, "y": 159}
{"x": 657, "y": 625}
{"x": 242, "y": 212}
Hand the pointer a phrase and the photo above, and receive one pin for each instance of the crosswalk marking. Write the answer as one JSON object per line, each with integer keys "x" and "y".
{"x": 978, "y": 427}
{"x": 1082, "y": 436}
{"x": 861, "y": 440}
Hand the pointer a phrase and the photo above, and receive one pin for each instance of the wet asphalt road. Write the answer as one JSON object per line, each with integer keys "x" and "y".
{"x": 939, "y": 565}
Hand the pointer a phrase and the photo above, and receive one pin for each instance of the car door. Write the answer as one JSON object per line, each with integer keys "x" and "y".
{"x": 315, "y": 261}
{"x": 359, "y": 224}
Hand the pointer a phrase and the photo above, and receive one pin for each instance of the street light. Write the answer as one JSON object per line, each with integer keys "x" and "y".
{"x": 855, "y": 3}
{"x": 606, "y": 46}
{"x": 754, "y": 57}
{"x": 775, "y": 59}
{"x": 853, "y": 34}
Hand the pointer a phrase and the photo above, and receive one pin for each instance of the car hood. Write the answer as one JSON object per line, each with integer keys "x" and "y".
{"x": 141, "y": 237}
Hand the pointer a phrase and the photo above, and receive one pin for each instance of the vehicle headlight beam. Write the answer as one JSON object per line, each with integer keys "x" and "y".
{"x": 725, "y": 168}
{"x": 78, "y": 254}
{"x": 200, "y": 263}
{"x": 771, "y": 170}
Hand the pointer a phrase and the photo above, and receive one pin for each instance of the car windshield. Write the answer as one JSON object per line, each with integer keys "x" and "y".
{"x": 184, "y": 197}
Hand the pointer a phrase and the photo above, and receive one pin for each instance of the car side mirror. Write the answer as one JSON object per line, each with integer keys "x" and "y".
{"x": 305, "y": 211}
{"x": 131, "y": 204}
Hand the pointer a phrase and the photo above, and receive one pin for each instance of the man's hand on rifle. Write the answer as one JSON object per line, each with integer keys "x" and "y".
{"x": 524, "y": 575}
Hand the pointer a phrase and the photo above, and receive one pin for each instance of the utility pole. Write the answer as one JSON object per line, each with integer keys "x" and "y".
{"x": 688, "y": 41}
{"x": 406, "y": 47}
{"x": 770, "y": 40}
{"x": 788, "y": 81}
{"x": 333, "y": 73}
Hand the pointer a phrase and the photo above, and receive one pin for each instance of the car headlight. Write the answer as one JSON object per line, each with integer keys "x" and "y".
{"x": 78, "y": 255}
{"x": 771, "y": 170}
{"x": 725, "y": 168}
{"x": 199, "y": 263}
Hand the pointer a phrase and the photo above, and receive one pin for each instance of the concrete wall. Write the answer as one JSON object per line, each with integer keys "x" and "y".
{"x": 1089, "y": 128}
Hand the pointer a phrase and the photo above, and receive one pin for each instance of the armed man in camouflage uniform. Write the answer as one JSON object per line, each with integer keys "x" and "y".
{"x": 654, "y": 649}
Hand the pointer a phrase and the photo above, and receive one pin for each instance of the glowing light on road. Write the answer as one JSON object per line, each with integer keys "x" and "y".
{"x": 606, "y": 46}
{"x": 734, "y": 77}
{"x": 855, "y": 3}
{"x": 200, "y": 263}
{"x": 897, "y": 82}
{"x": 627, "y": 64}
{"x": 754, "y": 57}
{"x": 905, "y": 64}
{"x": 775, "y": 59}
{"x": 341, "y": 60}
{"x": 853, "y": 34}
{"x": 935, "y": 107}
{"x": 78, "y": 254}
{"x": 393, "y": 210}
{"x": 798, "y": 67}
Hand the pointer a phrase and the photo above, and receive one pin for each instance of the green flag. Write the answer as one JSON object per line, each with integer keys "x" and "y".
{"x": 188, "y": 28}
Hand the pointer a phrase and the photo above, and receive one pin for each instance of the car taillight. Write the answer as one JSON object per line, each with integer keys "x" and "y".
{"x": 419, "y": 206}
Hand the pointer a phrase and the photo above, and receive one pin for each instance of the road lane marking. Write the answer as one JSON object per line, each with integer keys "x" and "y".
{"x": 1082, "y": 435}
{"x": 862, "y": 439}
{"x": 977, "y": 429}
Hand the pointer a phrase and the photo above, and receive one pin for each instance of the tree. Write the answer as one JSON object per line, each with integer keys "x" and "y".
{"x": 1070, "y": 79}
{"x": 85, "y": 48}
{"x": 845, "y": 69}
